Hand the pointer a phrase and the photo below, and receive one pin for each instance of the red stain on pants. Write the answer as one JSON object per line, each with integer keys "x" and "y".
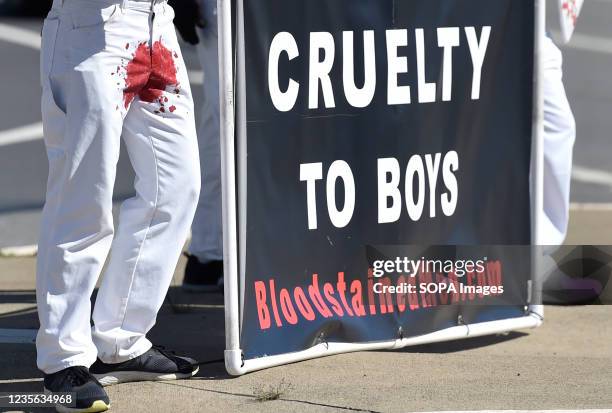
{"x": 149, "y": 73}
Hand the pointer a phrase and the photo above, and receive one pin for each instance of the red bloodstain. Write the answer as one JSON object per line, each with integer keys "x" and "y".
{"x": 149, "y": 73}
{"x": 172, "y": 108}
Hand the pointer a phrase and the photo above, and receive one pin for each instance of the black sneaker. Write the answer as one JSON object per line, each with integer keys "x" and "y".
{"x": 202, "y": 277}
{"x": 155, "y": 364}
{"x": 90, "y": 396}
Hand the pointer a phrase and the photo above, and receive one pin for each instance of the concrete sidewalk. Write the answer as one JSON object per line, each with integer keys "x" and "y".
{"x": 565, "y": 364}
{"x": 590, "y": 224}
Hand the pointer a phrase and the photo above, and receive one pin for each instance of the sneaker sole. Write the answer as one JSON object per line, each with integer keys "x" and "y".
{"x": 130, "y": 376}
{"x": 97, "y": 406}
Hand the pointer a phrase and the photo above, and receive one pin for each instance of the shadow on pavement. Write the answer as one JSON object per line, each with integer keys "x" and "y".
{"x": 24, "y": 8}
{"x": 464, "y": 344}
{"x": 190, "y": 324}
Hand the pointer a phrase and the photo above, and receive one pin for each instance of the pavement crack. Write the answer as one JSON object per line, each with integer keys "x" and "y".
{"x": 352, "y": 409}
{"x": 250, "y": 396}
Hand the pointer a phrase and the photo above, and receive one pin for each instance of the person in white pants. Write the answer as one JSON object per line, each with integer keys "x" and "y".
{"x": 559, "y": 137}
{"x": 197, "y": 22}
{"x": 111, "y": 70}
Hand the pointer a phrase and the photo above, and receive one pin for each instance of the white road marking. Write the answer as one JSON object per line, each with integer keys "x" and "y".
{"x": 196, "y": 77}
{"x": 31, "y": 39}
{"x": 20, "y": 251}
{"x": 19, "y": 36}
{"x": 17, "y": 336}
{"x": 587, "y": 42}
{"x": 591, "y": 206}
{"x": 590, "y": 43}
{"x": 10, "y": 381}
{"x": 22, "y": 134}
{"x": 592, "y": 176}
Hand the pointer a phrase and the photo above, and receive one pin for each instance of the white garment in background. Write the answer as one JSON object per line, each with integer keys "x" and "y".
{"x": 207, "y": 231}
{"x": 94, "y": 51}
{"x": 559, "y": 137}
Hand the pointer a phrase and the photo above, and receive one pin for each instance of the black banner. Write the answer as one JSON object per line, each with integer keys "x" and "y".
{"x": 375, "y": 127}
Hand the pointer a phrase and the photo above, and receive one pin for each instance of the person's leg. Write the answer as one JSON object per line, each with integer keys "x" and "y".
{"x": 207, "y": 236}
{"x": 159, "y": 132}
{"x": 204, "y": 269}
{"x": 82, "y": 135}
{"x": 559, "y": 137}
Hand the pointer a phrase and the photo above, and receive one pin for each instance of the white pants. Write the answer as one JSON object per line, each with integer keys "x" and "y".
{"x": 207, "y": 231}
{"x": 559, "y": 137}
{"x": 110, "y": 71}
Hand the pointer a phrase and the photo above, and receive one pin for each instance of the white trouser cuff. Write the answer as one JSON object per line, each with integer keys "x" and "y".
{"x": 141, "y": 346}
{"x": 81, "y": 360}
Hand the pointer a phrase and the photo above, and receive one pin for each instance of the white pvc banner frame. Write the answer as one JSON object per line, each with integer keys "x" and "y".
{"x": 233, "y": 119}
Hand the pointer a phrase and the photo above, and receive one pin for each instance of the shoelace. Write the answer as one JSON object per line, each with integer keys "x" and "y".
{"x": 164, "y": 351}
{"x": 78, "y": 375}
